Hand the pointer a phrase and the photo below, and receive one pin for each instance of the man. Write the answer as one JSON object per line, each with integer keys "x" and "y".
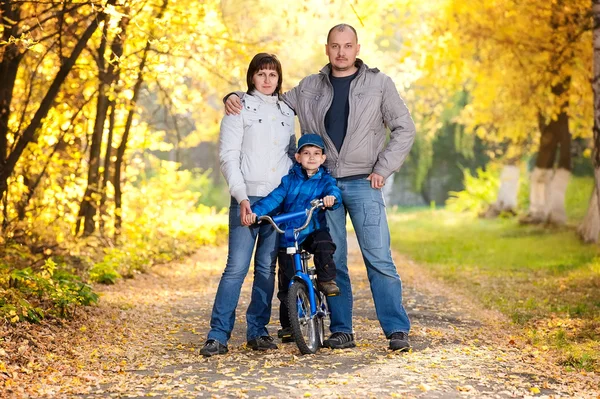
{"x": 350, "y": 105}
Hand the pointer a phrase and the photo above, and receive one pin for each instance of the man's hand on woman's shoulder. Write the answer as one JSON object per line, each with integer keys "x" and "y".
{"x": 233, "y": 105}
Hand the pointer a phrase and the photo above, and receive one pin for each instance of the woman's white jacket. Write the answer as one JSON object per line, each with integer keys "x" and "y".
{"x": 257, "y": 146}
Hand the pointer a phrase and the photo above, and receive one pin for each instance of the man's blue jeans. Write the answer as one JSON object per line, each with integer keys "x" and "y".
{"x": 367, "y": 212}
{"x": 241, "y": 245}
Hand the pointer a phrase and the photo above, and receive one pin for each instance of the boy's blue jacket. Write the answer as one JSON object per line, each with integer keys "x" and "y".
{"x": 294, "y": 194}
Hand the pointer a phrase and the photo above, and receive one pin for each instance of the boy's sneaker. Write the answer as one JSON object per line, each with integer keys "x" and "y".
{"x": 340, "y": 340}
{"x": 286, "y": 335}
{"x": 213, "y": 347}
{"x": 329, "y": 288}
{"x": 262, "y": 343}
{"x": 399, "y": 342}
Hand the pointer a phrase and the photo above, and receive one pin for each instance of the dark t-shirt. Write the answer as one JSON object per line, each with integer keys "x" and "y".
{"x": 336, "y": 119}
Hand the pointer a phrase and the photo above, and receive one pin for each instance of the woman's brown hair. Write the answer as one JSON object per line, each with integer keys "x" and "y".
{"x": 264, "y": 61}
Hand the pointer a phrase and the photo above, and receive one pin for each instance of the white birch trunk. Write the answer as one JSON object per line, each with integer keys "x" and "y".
{"x": 539, "y": 196}
{"x": 590, "y": 226}
{"x": 507, "y": 192}
{"x": 509, "y": 188}
{"x": 557, "y": 213}
{"x": 589, "y": 229}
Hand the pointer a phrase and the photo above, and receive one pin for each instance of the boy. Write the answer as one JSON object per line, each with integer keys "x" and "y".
{"x": 306, "y": 180}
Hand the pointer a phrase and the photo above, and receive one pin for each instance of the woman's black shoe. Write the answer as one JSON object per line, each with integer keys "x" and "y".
{"x": 213, "y": 347}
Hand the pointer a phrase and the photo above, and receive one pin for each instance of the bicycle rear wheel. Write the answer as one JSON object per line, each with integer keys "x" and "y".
{"x": 305, "y": 328}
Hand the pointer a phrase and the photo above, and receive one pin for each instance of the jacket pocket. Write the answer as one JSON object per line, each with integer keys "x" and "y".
{"x": 367, "y": 106}
{"x": 369, "y": 92}
{"x": 311, "y": 109}
{"x": 311, "y": 94}
{"x": 256, "y": 131}
{"x": 254, "y": 169}
{"x": 252, "y": 120}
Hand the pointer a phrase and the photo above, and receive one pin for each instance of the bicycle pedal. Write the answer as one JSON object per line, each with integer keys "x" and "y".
{"x": 285, "y": 333}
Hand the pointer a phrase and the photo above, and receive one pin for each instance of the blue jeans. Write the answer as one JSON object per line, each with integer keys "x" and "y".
{"x": 367, "y": 212}
{"x": 241, "y": 244}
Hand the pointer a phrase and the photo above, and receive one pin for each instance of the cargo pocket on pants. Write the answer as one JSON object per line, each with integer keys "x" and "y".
{"x": 371, "y": 228}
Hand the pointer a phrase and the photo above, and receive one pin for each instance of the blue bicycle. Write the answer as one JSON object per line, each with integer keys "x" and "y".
{"x": 308, "y": 311}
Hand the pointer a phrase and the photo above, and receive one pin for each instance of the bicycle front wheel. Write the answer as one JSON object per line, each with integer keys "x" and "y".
{"x": 304, "y": 326}
{"x": 323, "y": 319}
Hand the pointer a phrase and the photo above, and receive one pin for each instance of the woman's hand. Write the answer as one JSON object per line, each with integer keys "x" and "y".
{"x": 249, "y": 219}
{"x": 233, "y": 105}
{"x": 244, "y": 210}
{"x": 328, "y": 201}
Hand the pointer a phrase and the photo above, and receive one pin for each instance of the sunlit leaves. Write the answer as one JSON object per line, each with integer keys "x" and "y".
{"x": 508, "y": 55}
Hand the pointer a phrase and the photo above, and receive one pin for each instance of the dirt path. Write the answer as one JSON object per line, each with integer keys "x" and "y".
{"x": 144, "y": 337}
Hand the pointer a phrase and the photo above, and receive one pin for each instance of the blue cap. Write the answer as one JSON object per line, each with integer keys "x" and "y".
{"x": 311, "y": 139}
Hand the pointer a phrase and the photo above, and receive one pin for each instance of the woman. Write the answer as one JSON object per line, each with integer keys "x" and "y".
{"x": 256, "y": 149}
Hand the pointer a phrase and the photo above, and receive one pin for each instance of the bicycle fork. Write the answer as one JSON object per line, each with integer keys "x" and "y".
{"x": 302, "y": 274}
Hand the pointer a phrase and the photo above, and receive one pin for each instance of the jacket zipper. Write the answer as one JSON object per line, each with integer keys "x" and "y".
{"x": 344, "y": 147}
{"x": 326, "y": 135}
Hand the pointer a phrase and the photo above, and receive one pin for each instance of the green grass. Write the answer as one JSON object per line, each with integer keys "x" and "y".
{"x": 578, "y": 195}
{"x": 544, "y": 279}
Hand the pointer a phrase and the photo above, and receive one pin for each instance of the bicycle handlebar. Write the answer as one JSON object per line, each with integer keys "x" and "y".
{"x": 315, "y": 204}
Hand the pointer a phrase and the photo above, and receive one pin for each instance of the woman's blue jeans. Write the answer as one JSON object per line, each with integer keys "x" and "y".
{"x": 367, "y": 212}
{"x": 241, "y": 244}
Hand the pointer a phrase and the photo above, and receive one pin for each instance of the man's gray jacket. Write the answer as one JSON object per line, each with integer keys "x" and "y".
{"x": 374, "y": 104}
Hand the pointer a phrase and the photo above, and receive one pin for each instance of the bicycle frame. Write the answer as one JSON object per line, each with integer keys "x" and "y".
{"x": 307, "y": 307}
{"x": 291, "y": 234}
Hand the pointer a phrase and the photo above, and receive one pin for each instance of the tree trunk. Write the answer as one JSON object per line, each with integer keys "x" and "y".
{"x": 548, "y": 188}
{"x": 507, "y": 193}
{"x": 590, "y": 227}
{"x": 557, "y": 213}
{"x": 88, "y": 207}
{"x": 113, "y": 74}
{"x": 9, "y": 67}
{"x": 123, "y": 146}
{"x": 538, "y": 195}
{"x": 107, "y": 163}
{"x": 7, "y": 168}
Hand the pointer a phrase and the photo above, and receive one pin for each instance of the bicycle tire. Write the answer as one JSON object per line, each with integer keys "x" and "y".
{"x": 304, "y": 327}
{"x": 323, "y": 320}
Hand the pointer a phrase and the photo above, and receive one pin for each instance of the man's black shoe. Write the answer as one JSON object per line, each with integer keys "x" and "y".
{"x": 286, "y": 335}
{"x": 213, "y": 347}
{"x": 399, "y": 342}
{"x": 340, "y": 340}
{"x": 262, "y": 343}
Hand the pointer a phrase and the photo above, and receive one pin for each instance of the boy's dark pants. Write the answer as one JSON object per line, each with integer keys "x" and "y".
{"x": 318, "y": 243}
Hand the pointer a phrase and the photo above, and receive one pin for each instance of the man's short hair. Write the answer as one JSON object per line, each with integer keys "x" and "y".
{"x": 341, "y": 28}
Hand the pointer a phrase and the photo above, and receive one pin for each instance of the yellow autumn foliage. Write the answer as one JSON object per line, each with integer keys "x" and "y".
{"x": 507, "y": 55}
